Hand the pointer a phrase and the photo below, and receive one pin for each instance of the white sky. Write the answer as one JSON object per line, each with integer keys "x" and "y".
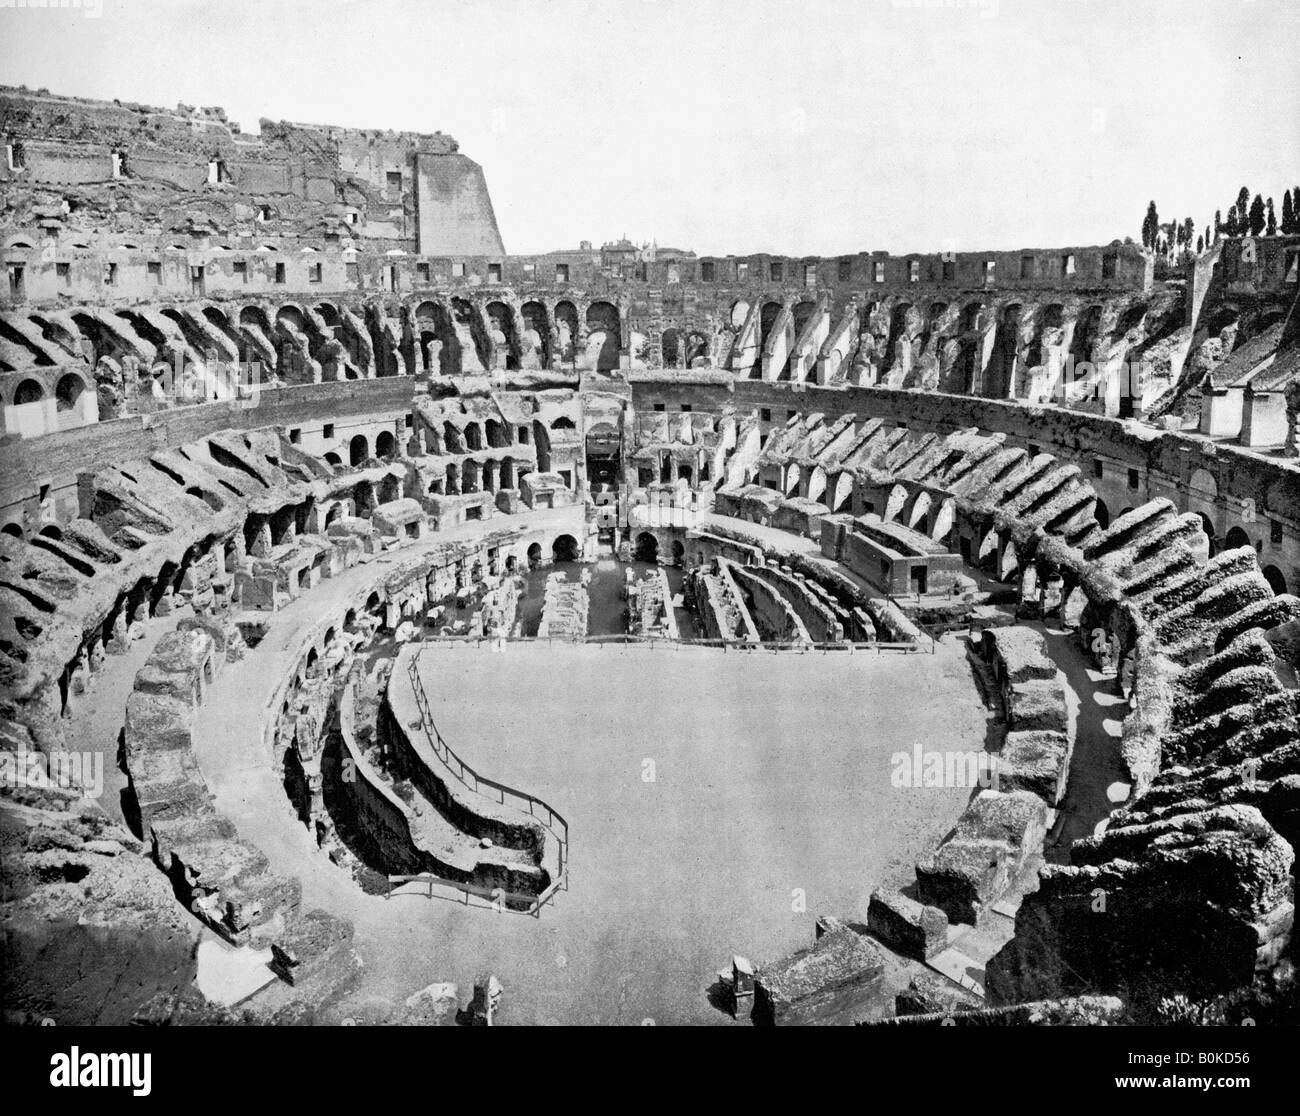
{"x": 736, "y": 126}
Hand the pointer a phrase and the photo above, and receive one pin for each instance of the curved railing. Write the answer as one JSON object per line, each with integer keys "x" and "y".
{"x": 550, "y": 819}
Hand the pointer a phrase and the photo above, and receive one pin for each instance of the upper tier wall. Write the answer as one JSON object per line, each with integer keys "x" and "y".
{"x": 83, "y": 166}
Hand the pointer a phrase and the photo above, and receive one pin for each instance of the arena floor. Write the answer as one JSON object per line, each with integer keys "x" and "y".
{"x": 769, "y": 802}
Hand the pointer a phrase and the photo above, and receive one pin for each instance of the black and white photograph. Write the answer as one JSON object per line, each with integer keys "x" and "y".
{"x": 664, "y": 513}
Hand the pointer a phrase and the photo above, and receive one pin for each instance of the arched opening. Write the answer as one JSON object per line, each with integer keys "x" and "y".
{"x": 1101, "y": 514}
{"x": 358, "y": 449}
{"x": 766, "y": 322}
{"x": 1000, "y": 380}
{"x": 566, "y": 328}
{"x": 29, "y": 391}
{"x": 470, "y": 335}
{"x": 679, "y": 552}
{"x": 971, "y": 347}
{"x": 1276, "y": 580}
{"x": 603, "y": 330}
{"x": 501, "y": 322}
{"x": 1236, "y": 537}
{"x": 386, "y": 445}
{"x": 1010, "y": 563}
{"x": 1207, "y": 526}
{"x": 13, "y": 530}
{"x": 473, "y": 437}
{"x": 647, "y": 548}
{"x": 565, "y": 549}
{"x": 534, "y": 556}
{"x": 453, "y": 479}
{"x": 843, "y": 499}
{"x": 897, "y": 328}
{"x": 497, "y": 434}
{"x": 1085, "y": 334}
{"x": 68, "y": 391}
{"x": 334, "y": 459}
{"x": 542, "y": 446}
{"x": 538, "y": 325}
{"x": 670, "y": 346}
{"x": 792, "y": 477}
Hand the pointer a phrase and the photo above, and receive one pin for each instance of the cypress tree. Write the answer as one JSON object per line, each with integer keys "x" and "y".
{"x": 1256, "y": 216}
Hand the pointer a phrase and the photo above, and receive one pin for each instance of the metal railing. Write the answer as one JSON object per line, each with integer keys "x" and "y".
{"x": 550, "y": 819}
{"x": 493, "y": 898}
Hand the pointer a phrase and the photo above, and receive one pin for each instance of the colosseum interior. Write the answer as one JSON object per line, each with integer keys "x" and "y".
{"x": 399, "y": 630}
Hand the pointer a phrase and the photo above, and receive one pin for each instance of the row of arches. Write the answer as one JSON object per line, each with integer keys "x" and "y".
{"x": 299, "y": 342}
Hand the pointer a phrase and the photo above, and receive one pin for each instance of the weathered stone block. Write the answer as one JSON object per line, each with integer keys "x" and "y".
{"x": 903, "y": 924}
{"x": 830, "y": 982}
{"x": 1034, "y": 761}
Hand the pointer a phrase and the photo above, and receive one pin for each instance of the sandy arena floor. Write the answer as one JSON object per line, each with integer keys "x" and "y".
{"x": 771, "y": 802}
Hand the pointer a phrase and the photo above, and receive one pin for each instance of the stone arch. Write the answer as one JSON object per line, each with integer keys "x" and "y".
{"x": 452, "y": 439}
{"x": 767, "y": 317}
{"x": 1087, "y": 325}
{"x": 537, "y": 322}
{"x": 1072, "y": 610}
{"x": 895, "y": 503}
{"x": 694, "y": 347}
{"x": 566, "y": 329}
{"x": 385, "y": 445}
{"x": 817, "y": 483}
{"x": 1004, "y": 360}
{"x": 647, "y": 548}
{"x": 564, "y": 549}
{"x": 68, "y": 391}
{"x": 971, "y": 346}
{"x": 793, "y": 475}
{"x": 603, "y": 330}
{"x": 670, "y": 348}
{"x": 501, "y": 320}
{"x": 1237, "y": 537}
{"x": 920, "y": 509}
{"x": 1207, "y": 526}
{"x": 358, "y": 449}
{"x": 944, "y": 520}
{"x": 498, "y": 436}
{"x": 542, "y": 446}
{"x": 897, "y": 330}
{"x": 843, "y": 497}
{"x": 1008, "y": 562}
{"x": 28, "y": 391}
{"x": 1276, "y": 580}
